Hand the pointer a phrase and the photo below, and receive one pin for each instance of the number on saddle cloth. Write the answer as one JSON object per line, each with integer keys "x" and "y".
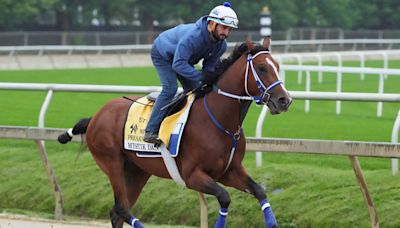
{"x": 177, "y": 103}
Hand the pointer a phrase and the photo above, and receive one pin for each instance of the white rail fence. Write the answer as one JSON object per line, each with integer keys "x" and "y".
{"x": 128, "y": 49}
{"x": 143, "y": 37}
{"x": 60, "y": 57}
{"x": 339, "y": 58}
{"x": 51, "y": 88}
{"x": 319, "y": 44}
{"x": 341, "y": 97}
{"x": 339, "y": 71}
{"x": 352, "y": 149}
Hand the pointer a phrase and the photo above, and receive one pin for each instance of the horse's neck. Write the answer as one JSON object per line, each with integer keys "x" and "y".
{"x": 232, "y": 80}
{"x": 228, "y": 110}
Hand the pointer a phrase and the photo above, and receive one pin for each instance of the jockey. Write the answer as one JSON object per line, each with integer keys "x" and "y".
{"x": 177, "y": 50}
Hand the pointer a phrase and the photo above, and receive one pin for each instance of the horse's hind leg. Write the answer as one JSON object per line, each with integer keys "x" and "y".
{"x": 113, "y": 165}
{"x": 238, "y": 178}
{"x": 201, "y": 182}
{"x": 135, "y": 179}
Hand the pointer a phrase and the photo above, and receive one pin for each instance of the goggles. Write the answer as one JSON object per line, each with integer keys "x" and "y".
{"x": 228, "y": 21}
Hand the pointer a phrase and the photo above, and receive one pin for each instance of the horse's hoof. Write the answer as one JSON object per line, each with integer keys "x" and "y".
{"x": 64, "y": 138}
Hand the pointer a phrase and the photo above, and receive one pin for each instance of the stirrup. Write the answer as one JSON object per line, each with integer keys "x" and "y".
{"x": 152, "y": 138}
{"x": 158, "y": 142}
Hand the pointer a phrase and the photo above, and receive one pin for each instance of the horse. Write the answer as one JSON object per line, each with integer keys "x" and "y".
{"x": 213, "y": 143}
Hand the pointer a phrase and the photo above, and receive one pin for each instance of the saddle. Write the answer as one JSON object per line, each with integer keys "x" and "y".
{"x": 177, "y": 103}
{"x": 171, "y": 128}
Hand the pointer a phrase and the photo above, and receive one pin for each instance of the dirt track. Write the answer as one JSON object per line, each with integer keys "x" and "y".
{"x": 21, "y": 221}
{"x": 13, "y": 221}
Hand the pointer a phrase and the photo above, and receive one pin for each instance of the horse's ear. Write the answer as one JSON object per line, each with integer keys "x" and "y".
{"x": 249, "y": 44}
{"x": 267, "y": 42}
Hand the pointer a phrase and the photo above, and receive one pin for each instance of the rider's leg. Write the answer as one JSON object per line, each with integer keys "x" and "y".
{"x": 187, "y": 83}
{"x": 169, "y": 87}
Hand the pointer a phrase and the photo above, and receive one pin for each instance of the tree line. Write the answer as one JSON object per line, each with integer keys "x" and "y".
{"x": 149, "y": 15}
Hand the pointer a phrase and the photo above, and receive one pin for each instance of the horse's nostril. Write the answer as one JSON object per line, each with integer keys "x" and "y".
{"x": 284, "y": 102}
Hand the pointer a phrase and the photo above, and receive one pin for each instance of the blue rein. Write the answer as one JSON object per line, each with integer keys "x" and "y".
{"x": 263, "y": 98}
{"x": 235, "y": 136}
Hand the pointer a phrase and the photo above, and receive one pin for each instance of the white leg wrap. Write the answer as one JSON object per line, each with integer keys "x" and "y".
{"x": 265, "y": 206}
{"x": 70, "y": 132}
{"x": 133, "y": 222}
{"x": 223, "y": 213}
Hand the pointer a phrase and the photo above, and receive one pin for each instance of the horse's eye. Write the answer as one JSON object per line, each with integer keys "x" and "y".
{"x": 262, "y": 68}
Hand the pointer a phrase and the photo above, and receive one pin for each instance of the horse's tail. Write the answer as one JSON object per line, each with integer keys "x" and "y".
{"x": 79, "y": 128}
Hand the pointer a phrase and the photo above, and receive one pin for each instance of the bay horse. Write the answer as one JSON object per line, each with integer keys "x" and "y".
{"x": 213, "y": 143}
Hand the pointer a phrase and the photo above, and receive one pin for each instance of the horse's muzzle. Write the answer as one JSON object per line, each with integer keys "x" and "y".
{"x": 279, "y": 105}
{"x": 284, "y": 103}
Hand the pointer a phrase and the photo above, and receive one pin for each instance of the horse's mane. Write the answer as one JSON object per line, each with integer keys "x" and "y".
{"x": 212, "y": 78}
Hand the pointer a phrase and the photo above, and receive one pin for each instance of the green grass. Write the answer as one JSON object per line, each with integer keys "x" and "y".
{"x": 304, "y": 190}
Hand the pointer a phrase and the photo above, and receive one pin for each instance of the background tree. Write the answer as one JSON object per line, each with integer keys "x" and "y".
{"x": 336, "y": 14}
{"x": 17, "y": 12}
{"x": 155, "y": 14}
{"x": 109, "y": 11}
{"x": 378, "y": 14}
{"x": 284, "y": 14}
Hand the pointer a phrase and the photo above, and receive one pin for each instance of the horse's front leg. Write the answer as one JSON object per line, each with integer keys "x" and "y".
{"x": 238, "y": 178}
{"x": 201, "y": 182}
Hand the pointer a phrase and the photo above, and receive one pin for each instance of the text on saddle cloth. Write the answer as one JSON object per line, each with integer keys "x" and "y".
{"x": 171, "y": 128}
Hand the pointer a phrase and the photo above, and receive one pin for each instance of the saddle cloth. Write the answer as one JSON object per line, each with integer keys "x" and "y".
{"x": 171, "y": 129}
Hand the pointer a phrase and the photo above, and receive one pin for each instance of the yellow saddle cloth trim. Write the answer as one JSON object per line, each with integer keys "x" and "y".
{"x": 136, "y": 122}
{"x": 138, "y": 116}
{"x": 170, "y": 122}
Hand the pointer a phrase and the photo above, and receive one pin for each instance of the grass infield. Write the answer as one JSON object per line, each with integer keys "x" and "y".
{"x": 304, "y": 190}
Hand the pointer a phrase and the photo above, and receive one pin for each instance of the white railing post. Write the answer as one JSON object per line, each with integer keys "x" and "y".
{"x": 380, "y": 91}
{"x": 308, "y": 89}
{"x": 395, "y": 139}
{"x": 385, "y": 62}
{"x": 300, "y": 63}
{"x": 259, "y": 126}
{"x": 43, "y": 156}
{"x": 43, "y": 110}
{"x": 362, "y": 65}
{"x": 319, "y": 57}
{"x": 338, "y": 83}
{"x": 279, "y": 59}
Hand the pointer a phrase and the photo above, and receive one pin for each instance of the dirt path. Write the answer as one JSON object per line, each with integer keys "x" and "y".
{"x": 22, "y": 221}
{"x": 17, "y": 221}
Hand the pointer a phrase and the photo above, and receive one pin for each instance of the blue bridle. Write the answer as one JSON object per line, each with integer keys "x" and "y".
{"x": 263, "y": 98}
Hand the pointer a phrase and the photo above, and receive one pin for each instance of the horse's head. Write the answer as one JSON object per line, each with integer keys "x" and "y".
{"x": 262, "y": 79}
{"x": 258, "y": 81}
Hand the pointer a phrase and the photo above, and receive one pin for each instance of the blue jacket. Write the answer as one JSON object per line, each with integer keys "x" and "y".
{"x": 185, "y": 45}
